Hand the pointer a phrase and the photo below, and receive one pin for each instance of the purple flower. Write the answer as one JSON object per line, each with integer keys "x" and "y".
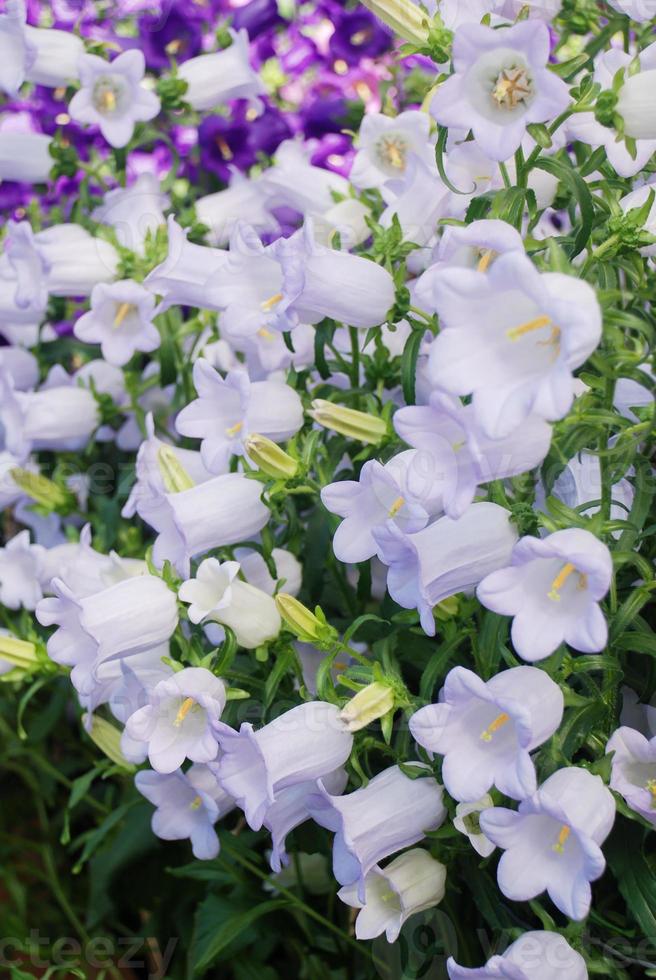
{"x": 224, "y": 143}
{"x": 359, "y": 35}
{"x": 634, "y": 770}
{"x": 174, "y": 34}
{"x": 256, "y": 17}
{"x": 552, "y": 588}
{"x": 534, "y": 956}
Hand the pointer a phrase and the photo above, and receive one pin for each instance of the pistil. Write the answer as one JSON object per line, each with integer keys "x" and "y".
{"x": 185, "y": 708}
{"x": 499, "y": 722}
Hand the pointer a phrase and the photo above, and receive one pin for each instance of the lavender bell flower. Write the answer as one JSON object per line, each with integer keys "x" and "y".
{"x": 128, "y": 617}
{"x": 134, "y": 212}
{"x": 500, "y": 85}
{"x": 294, "y": 182}
{"x": 177, "y": 721}
{"x": 553, "y": 842}
{"x": 289, "y": 571}
{"x": 217, "y": 78}
{"x": 60, "y": 418}
{"x": 112, "y": 96}
{"x": 20, "y": 572}
{"x": 186, "y": 274}
{"x": 120, "y": 320}
{"x": 411, "y": 883}
{"x": 378, "y": 497}
{"x": 18, "y": 52}
{"x": 552, "y": 588}
{"x": 246, "y": 199}
{"x": 467, "y": 821}
{"x": 216, "y": 594}
{"x": 455, "y": 451}
{"x": 511, "y": 337}
{"x": 534, "y": 956}
{"x": 76, "y": 260}
{"x": 25, "y": 157}
{"x": 57, "y": 55}
{"x": 229, "y": 409}
{"x": 305, "y": 743}
{"x": 388, "y": 814}
{"x": 445, "y": 558}
{"x": 486, "y": 730}
{"x": 188, "y": 805}
{"x": 320, "y": 282}
{"x": 633, "y": 772}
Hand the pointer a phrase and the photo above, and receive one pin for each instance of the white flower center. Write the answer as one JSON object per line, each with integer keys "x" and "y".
{"x": 183, "y": 711}
{"x": 513, "y": 87}
{"x": 107, "y": 95}
{"x": 392, "y": 152}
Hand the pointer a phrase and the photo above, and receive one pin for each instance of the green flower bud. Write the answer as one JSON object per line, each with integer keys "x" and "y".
{"x": 270, "y": 458}
{"x": 372, "y": 702}
{"x": 309, "y": 627}
{"x": 348, "y": 421}
{"x": 20, "y": 653}
{"x": 41, "y": 489}
{"x": 108, "y": 739}
{"x": 174, "y": 474}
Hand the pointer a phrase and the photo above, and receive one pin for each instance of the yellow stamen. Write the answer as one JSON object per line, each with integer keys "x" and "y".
{"x": 195, "y": 803}
{"x": 225, "y": 150}
{"x": 360, "y": 36}
{"x": 559, "y": 846}
{"x": 457, "y": 446}
{"x": 185, "y": 708}
{"x": 651, "y": 786}
{"x": 124, "y": 310}
{"x": 396, "y": 507}
{"x": 174, "y": 46}
{"x": 511, "y": 87}
{"x": 485, "y": 259}
{"x": 265, "y": 334}
{"x": 537, "y": 324}
{"x": 107, "y": 100}
{"x": 388, "y": 895}
{"x": 340, "y": 67}
{"x": 560, "y": 580}
{"x": 363, "y": 91}
{"x": 269, "y": 303}
{"x": 234, "y": 429}
{"x": 498, "y": 723}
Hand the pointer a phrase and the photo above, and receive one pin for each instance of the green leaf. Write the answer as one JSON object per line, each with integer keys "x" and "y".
{"x": 409, "y": 364}
{"x": 280, "y": 668}
{"x": 635, "y": 879}
{"x": 575, "y": 183}
{"x": 215, "y": 927}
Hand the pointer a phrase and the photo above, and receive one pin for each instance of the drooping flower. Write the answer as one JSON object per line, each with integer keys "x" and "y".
{"x": 445, "y": 558}
{"x": 302, "y": 744}
{"x": 20, "y": 572}
{"x": 17, "y": 53}
{"x": 120, "y": 320}
{"x": 633, "y": 772}
{"x": 552, "y": 588}
{"x": 500, "y": 85}
{"x": 25, "y": 157}
{"x": 294, "y": 182}
{"x": 511, "y": 337}
{"x": 456, "y": 452}
{"x": 188, "y": 804}
{"x": 553, "y": 842}
{"x": 635, "y": 103}
{"x": 534, "y": 956}
{"x": 216, "y": 594}
{"x": 134, "y": 212}
{"x": 486, "y": 730}
{"x": 76, "y": 260}
{"x": 177, "y": 722}
{"x": 412, "y": 882}
{"x": 388, "y": 814}
{"x": 467, "y": 821}
{"x": 185, "y": 276}
{"x": 61, "y": 417}
{"x": 112, "y": 96}
{"x": 217, "y": 78}
{"x": 229, "y": 409}
{"x": 56, "y": 56}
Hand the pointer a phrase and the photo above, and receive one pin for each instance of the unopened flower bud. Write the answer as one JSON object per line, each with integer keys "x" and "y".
{"x": 20, "y": 653}
{"x": 348, "y": 421}
{"x": 40, "y": 488}
{"x": 270, "y": 458}
{"x": 309, "y": 627}
{"x": 372, "y": 702}
{"x": 108, "y": 739}
{"x": 175, "y": 477}
{"x": 404, "y": 17}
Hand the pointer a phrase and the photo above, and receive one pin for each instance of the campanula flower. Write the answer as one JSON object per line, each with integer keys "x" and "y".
{"x": 186, "y": 275}
{"x": 534, "y": 956}
{"x": 486, "y": 730}
{"x": 467, "y": 821}
{"x": 120, "y": 320}
{"x": 633, "y": 771}
{"x": 134, "y": 212}
{"x": 216, "y": 78}
{"x": 552, "y": 588}
{"x": 386, "y": 143}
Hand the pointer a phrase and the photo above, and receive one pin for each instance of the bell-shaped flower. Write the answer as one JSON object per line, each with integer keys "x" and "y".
{"x": 56, "y": 56}
{"x": 229, "y": 409}
{"x": 418, "y": 201}
{"x": 25, "y": 157}
{"x": 17, "y": 52}
{"x": 445, "y": 558}
{"x": 486, "y": 730}
{"x": 120, "y": 320}
{"x": 188, "y": 804}
{"x": 177, "y": 721}
{"x": 585, "y": 127}
{"x": 385, "y": 144}
{"x": 553, "y": 841}
{"x": 217, "y": 594}
{"x": 456, "y": 452}
{"x": 128, "y": 617}
{"x": 246, "y": 199}
{"x": 294, "y": 182}
{"x": 134, "y": 212}
{"x": 635, "y": 103}
{"x": 390, "y": 813}
{"x": 222, "y": 511}
{"x": 20, "y": 572}
{"x": 552, "y": 588}
{"x": 302, "y": 744}
{"x": 501, "y": 84}
{"x": 112, "y": 96}
{"x": 633, "y": 772}
{"x": 378, "y": 497}
{"x": 579, "y": 483}
{"x": 124, "y": 684}
{"x": 511, "y": 338}
{"x": 534, "y": 956}
{"x": 288, "y": 811}
{"x": 412, "y": 882}
{"x": 62, "y": 417}
{"x": 289, "y": 571}
{"x": 23, "y": 264}
{"x": 216, "y": 78}
{"x": 467, "y": 821}
{"x": 322, "y": 282}
{"x": 186, "y": 275}
{"x": 76, "y": 260}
